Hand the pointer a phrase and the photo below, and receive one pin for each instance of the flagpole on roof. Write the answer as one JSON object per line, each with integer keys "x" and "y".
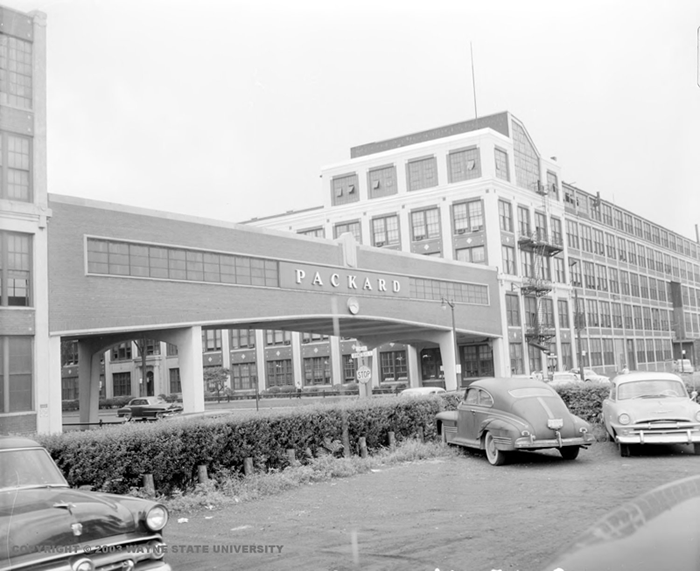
{"x": 471, "y": 52}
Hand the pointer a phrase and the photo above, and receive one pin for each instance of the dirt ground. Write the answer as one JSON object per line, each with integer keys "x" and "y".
{"x": 454, "y": 514}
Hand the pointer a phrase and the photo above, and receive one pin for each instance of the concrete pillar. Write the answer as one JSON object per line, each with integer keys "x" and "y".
{"x": 50, "y": 415}
{"x": 189, "y": 350}
{"x": 501, "y": 357}
{"x": 449, "y": 359}
{"x": 88, "y": 382}
{"x": 297, "y": 360}
{"x": 336, "y": 361}
{"x": 414, "y": 369}
{"x": 260, "y": 359}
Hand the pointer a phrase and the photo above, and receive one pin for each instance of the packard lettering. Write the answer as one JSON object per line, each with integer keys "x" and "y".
{"x": 350, "y": 281}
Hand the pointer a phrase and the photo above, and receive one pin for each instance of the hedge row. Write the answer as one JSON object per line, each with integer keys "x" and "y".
{"x": 115, "y": 459}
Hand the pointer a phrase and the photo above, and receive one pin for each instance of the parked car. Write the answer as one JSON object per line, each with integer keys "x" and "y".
{"x": 656, "y": 530}
{"x": 47, "y": 525}
{"x": 501, "y": 415}
{"x": 651, "y": 408}
{"x": 562, "y": 378}
{"x": 148, "y": 408}
{"x": 420, "y": 391}
{"x": 589, "y": 375}
{"x": 683, "y": 366}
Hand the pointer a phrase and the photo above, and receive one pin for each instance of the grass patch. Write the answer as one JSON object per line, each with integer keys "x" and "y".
{"x": 227, "y": 487}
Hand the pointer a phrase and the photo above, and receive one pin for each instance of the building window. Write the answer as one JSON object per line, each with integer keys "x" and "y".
{"x": 566, "y": 356}
{"x": 385, "y": 231}
{"x": 586, "y": 239}
{"x": 575, "y": 271}
{"x": 616, "y": 315}
{"x": 211, "y": 340}
{"x": 171, "y": 349}
{"x": 513, "y": 310}
{"x": 278, "y": 337}
{"x": 559, "y": 271}
{"x": 508, "y": 254}
{"x": 382, "y": 182}
{"x": 527, "y": 163}
{"x": 478, "y": 360}
{"x": 596, "y": 352}
{"x": 547, "y": 311}
{"x": 353, "y": 228}
{"x": 627, "y": 313}
{"x": 15, "y": 72}
{"x": 516, "y": 359}
{"x": 121, "y": 384}
{"x": 151, "y": 346}
{"x": 242, "y": 338}
{"x": 605, "y": 315}
{"x": 394, "y": 366}
{"x": 121, "y": 352}
{"x": 589, "y": 275}
{"x": 244, "y": 376}
{"x": 602, "y": 277}
{"x": 349, "y": 369}
{"x": 174, "y": 380}
{"x": 638, "y": 321}
{"x": 468, "y": 216}
{"x": 572, "y": 234}
{"x": 613, "y": 280}
{"x": 523, "y": 221}
{"x": 563, "y": 311}
{"x": 464, "y": 164}
{"x": 557, "y": 237}
{"x": 421, "y": 173}
{"x": 502, "y": 170}
{"x": 279, "y": 373}
{"x": 592, "y": 313}
{"x": 474, "y": 255}
{"x": 505, "y": 215}
{"x": 313, "y": 232}
{"x": 15, "y": 166}
{"x": 531, "y": 313}
{"x": 425, "y": 224}
{"x": 535, "y": 358}
{"x": 16, "y": 365}
{"x": 317, "y": 371}
{"x": 552, "y": 184}
{"x": 476, "y": 294}
{"x": 527, "y": 264}
{"x": 15, "y": 269}
{"x": 344, "y": 189}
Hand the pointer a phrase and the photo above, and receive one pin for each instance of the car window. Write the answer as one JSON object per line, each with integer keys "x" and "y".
{"x": 650, "y": 388}
{"x": 485, "y": 399}
{"x": 472, "y": 396}
{"x": 27, "y": 468}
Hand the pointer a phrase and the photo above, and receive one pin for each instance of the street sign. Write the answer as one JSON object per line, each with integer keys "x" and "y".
{"x": 361, "y": 354}
{"x": 364, "y": 374}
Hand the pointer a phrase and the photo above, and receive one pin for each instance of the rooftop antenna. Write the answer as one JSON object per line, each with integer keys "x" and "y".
{"x": 476, "y": 115}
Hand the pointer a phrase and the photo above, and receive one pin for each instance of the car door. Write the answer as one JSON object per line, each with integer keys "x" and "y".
{"x": 466, "y": 420}
{"x": 138, "y": 407}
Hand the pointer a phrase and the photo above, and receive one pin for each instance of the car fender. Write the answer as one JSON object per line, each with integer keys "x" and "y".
{"x": 499, "y": 427}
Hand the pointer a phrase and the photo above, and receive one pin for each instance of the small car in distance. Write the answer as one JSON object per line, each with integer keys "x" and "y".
{"x": 683, "y": 366}
{"x": 562, "y": 378}
{"x": 501, "y": 415}
{"x": 148, "y": 408}
{"x": 420, "y": 391}
{"x": 651, "y": 408}
{"x": 49, "y": 526}
{"x": 590, "y": 376}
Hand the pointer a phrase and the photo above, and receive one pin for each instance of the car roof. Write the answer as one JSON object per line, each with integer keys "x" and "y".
{"x": 501, "y": 385}
{"x": 646, "y": 376}
{"x": 15, "y": 442}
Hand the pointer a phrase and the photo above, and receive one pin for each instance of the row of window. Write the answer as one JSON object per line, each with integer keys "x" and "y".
{"x": 15, "y": 72}
{"x": 631, "y": 225}
{"x": 15, "y": 269}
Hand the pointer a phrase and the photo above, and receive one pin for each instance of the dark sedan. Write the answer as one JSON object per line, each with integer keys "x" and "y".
{"x": 500, "y": 416}
{"x": 49, "y": 526}
{"x": 148, "y": 408}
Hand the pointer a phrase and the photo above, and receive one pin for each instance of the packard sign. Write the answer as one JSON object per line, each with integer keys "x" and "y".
{"x": 336, "y": 280}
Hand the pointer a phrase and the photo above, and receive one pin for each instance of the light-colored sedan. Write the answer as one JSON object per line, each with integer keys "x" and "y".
{"x": 420, "y": 391}
{"x": 590, "y": 376}
{"x": 651, "y": 408}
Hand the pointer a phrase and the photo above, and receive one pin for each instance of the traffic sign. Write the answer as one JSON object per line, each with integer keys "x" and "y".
{"x": 364, "y": 374}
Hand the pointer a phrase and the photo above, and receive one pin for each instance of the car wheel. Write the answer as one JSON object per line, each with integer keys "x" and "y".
{"x": 495, "y": 456}
{"x": 160, "y": 415}
{"x": 569, "y": 452}
{"x": 625, "y": 450}
{"x": 127, "y": 417}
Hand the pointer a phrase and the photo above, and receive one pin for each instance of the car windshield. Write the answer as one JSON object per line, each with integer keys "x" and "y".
{"x": 651, "y": 389}
{"x": 28, "y": 468}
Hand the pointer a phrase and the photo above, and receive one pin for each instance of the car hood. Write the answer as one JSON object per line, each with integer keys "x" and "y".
{"x": 657, "y": 530}
{"x": 53, "y": 516}
{"x": 538, "y": 410}
{"x": 649, "y": 409}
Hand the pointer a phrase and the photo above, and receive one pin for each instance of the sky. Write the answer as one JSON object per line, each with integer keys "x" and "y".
{"x": 229, "y": 109}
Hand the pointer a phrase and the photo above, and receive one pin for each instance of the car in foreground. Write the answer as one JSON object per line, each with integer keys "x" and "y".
{"x": 657, "y": 530}
{"x": 590, "y": 376}
{"x": 651, "y": 408}
{"x": 148, "y": 408}
{"x": 48, "y": 526}
{"x": 502, "y": 415}
{"x": 420, "y": 391}
{"x": 683, "y": 366}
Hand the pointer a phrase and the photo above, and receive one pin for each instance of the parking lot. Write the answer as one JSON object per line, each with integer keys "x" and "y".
{"x": 457, "y": 513}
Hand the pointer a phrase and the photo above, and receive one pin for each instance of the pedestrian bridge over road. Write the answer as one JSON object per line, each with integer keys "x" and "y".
{"x": 117, "y": 273}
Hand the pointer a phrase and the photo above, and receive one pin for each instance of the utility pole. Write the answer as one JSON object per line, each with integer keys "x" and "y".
{"x": 578, "y": 325}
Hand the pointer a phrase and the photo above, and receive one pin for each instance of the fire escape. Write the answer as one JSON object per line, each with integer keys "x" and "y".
{"x": 543, "y": 246}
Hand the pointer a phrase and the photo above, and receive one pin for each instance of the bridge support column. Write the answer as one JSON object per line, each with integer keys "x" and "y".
{"x": 50, "y": 415}
{"x": 415, "y": 375}
{"x": 189, "y": 351}
{"x": 88, "y": 382}
{"x": 501, "y": 358}
{"x": 449, "y": 360}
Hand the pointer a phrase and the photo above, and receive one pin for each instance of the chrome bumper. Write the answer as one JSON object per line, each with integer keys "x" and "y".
{"x": 528, "y": 443}
{"x": 650, "y": 437}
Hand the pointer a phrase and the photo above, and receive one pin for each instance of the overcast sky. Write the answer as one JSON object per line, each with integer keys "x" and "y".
{"x": 229, "y": 109}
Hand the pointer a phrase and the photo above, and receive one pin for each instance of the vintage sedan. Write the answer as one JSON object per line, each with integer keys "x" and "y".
{"x": 508, "y": 414}
{"x": 421, "y": 391}
{"x": 651, "y": 408}
{"x": 148, "y": 408}
{"x": 47, "y": 525}
{"x": 590, "y": 376}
